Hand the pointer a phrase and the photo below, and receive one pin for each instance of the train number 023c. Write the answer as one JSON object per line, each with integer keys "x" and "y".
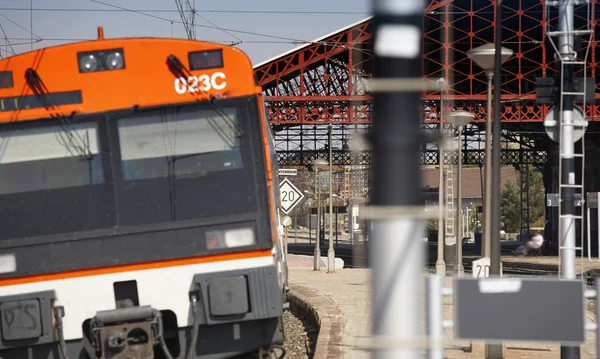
{"x": 200, "y": 83}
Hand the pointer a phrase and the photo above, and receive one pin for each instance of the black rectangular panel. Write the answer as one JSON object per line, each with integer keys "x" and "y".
{"x": 39, "y": 101}
{"x": 6, "y": 80}
{"x": 515, "y": 309}
{"x": 201, "y": 60}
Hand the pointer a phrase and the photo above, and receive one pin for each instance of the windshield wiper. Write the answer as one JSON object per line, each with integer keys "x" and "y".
{"x": 179, "y": 70}
{"x": 39, "y": 89}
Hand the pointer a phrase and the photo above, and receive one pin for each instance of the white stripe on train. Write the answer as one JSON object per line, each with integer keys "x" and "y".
{"x": 161, "y": 288}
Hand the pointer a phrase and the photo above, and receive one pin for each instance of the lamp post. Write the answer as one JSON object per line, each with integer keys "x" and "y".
{"x": 459, "y": 119}
{"x": 309, "y": 218}
{"x": 483, "y": 56}
{"x": 317, "y": 253}
{"x": 440, "y": 264}
{"x": 331, "y": 251}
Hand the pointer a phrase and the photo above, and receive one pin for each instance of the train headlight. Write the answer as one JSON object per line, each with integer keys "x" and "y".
{"x": 88, "y": 63}
{"x": 101, "y": 60}
{"x": 232, "y": 238}
{"x": 114, "y": 60}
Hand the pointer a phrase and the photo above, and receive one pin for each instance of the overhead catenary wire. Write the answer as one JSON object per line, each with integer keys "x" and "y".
{"x": 291, "y": 12}
{"x": 8, "y": 42}
{"x": 20, "y": 26}
{"x": 207, "y": 26}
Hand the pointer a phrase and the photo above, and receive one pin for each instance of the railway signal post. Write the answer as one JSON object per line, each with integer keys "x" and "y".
{"x": 396, "y": 251}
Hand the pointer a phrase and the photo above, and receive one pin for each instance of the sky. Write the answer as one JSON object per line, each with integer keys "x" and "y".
{"x": 54, "y": 22}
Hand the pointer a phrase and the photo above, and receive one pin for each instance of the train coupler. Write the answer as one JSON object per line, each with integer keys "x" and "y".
{"x": 126, "y": 333}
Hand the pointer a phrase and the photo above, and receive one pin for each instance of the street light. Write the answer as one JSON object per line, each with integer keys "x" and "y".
{"x": 484, "y": 56}
{"x": 317, "y": 254}
{"x": 440, "y": 264}
{"x": 330, "y": 252}
{"x": 459, "y": 119}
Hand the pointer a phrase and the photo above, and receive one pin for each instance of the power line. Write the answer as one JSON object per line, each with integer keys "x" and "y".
{"x": 324, "y": 43}
{"x": 198, "y": 25}
{"x": 291, "y": 12}
{"x": 219, "y": 28}
{"x": 22, "y": 27}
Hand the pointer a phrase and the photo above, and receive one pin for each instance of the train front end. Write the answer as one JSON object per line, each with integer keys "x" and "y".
{"x": 138, "y": 204}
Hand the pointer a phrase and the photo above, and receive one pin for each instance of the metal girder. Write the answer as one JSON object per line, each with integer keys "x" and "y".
{"x": 326, "y": 80}
{"x": 471, "y": 157}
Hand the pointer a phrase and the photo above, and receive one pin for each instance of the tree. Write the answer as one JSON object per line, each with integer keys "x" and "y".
{"x": 511, "y": 200}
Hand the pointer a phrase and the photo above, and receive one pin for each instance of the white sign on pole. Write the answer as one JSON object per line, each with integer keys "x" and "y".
{"x": 290, "y": 196}
{"x": 287, "y": 172}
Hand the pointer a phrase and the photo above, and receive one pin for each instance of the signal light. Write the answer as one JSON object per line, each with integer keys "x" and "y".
{"x": 6, "y": 79}
{"x": 102, "y": 60}
{"x": 201, "y": 60}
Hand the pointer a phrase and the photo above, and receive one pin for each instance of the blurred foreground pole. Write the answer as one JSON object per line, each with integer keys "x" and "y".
{"x": 496, "y": 351}
{"x": 396, "y": 249}
{"x": 568, "y": 255}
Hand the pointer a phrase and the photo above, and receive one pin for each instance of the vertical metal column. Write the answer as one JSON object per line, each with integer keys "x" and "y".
{"x": 487, "y": 164}
{"x": 317, "y": 254}
{"x": 460, "y": 271}
{"x": 496, "y": 350}
{"x": 440, "y": 264}
{"x": 331, "y": 251}
{"x": 566, "y": 158}
{"x": 396, "y": 250}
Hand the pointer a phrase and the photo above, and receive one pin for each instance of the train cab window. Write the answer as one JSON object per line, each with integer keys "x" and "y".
{"x": 49, "y": 157}
{"x": 53, "y": 178}
{"x": 179, "y": 143}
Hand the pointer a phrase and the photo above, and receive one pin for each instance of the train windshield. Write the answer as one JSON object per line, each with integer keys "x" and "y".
{"x": 179, "y": 143}
{"x": 138, "y": 169}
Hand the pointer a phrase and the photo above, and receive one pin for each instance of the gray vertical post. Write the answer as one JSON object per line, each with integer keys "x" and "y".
{"x": 396, "y": 252}
{"x": 459, "y": 258}
{"x": 566, "y": 151}
{"x": 435, "y": 316}
{"x": 330, "y": 252}
{"x": 589, "y": 232}
{"x": 597, "y": 282}
{"x": 317, "y": 259}
{"x": 598, "y": 229}
{"x": 487, "y": 193}
{"x": 440, "y": 264}
{"x": 496, "y": 350}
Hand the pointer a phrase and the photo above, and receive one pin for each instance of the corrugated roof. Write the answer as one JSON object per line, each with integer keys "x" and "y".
{"x": 322, "y": 38}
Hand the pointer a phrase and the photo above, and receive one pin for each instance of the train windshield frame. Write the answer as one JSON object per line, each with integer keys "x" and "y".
{"x": 198, "y": 181}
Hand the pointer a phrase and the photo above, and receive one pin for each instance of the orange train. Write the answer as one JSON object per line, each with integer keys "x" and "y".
{"x": 139, "y": 203}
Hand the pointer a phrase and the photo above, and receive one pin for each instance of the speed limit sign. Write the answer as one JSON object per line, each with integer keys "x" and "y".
{"x": 290, "y": 196}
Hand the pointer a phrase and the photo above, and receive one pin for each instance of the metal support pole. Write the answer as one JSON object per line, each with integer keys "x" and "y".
{"x": 435, "y": 316}
{"x": 285, "y": 240}
{"x": 487, "y": 194}
{"x": 566, "y": 151}
{"x": 495, "y": 350}
{"x": 440, "y": 264}
{"x": 310, "y": 226}
{"x": 336, "y": 225}
{"x": 331, "y": 251}
{"x": 396, "y": 252}
{"x": 589, "y": 234}
{"x": 317, "y": 259}
{"x": 459, "y": 258}
{"x": 598, "y": 231}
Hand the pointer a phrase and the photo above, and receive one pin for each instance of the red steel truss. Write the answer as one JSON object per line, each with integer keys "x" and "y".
{"x": 324, "y": 81}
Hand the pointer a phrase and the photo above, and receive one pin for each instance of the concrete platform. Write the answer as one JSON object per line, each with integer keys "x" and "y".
{"x": 342, "y": 304}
